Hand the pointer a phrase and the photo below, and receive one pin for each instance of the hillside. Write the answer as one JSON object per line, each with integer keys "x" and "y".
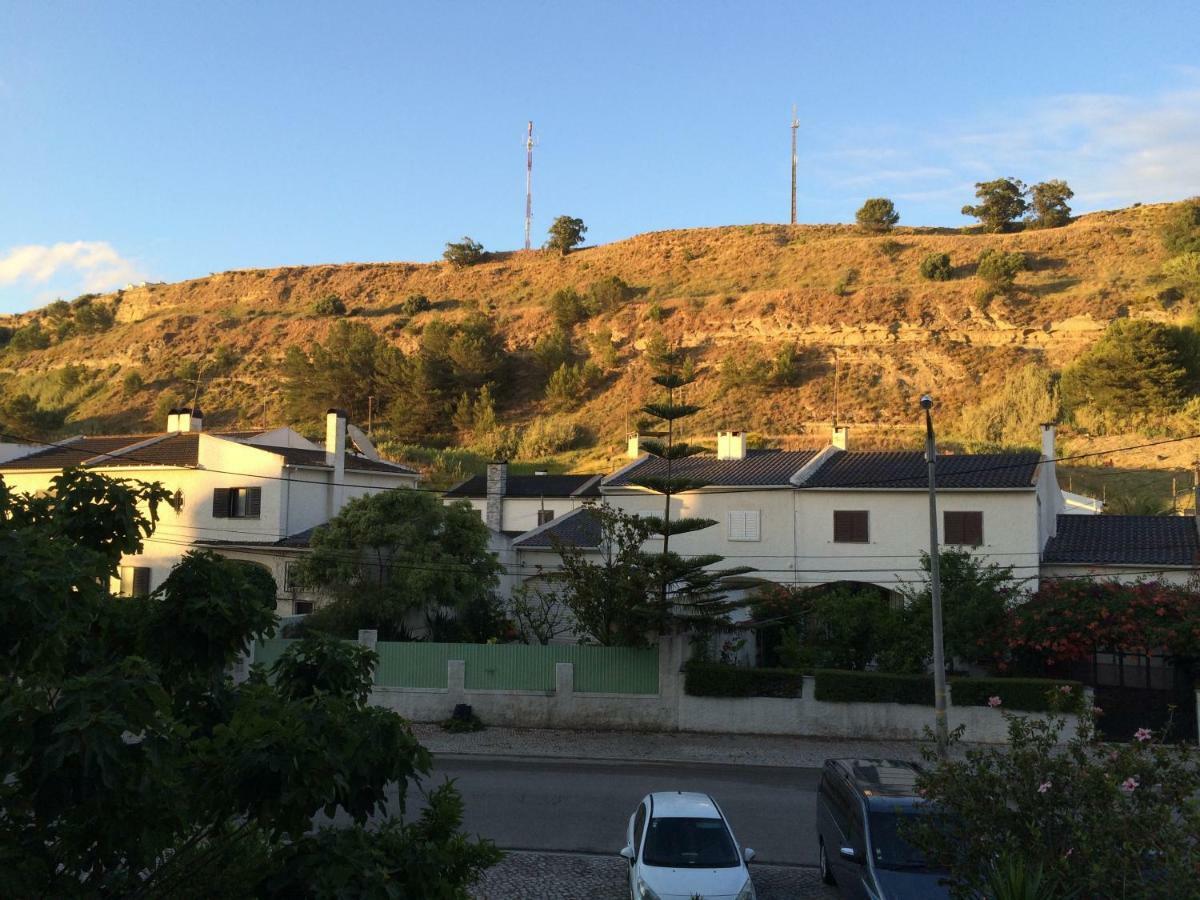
{"x": 726, "y": 292}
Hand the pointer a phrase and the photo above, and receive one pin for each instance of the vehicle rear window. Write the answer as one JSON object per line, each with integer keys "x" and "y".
{"x": 687, "y": 843}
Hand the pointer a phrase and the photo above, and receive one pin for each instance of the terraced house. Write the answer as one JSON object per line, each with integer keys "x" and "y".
{"x": 254, "y": 495}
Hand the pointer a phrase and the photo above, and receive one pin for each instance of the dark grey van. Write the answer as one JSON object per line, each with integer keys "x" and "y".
{"x": 861, "y": 808}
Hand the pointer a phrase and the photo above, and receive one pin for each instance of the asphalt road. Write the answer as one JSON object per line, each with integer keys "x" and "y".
{"x": 584, "y": 806}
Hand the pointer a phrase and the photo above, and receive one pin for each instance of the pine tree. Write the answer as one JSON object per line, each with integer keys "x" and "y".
{"x": 687, "y": 588}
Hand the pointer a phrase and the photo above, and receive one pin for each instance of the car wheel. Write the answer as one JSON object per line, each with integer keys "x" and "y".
{"x": 826, "y": 873}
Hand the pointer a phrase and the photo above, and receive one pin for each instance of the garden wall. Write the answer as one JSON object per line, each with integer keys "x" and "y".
{"x": 568, "y": 686}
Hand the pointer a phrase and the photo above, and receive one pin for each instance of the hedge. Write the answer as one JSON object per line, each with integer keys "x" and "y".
{"x": 836, "y": 686}
{"x": 716, "y": 680}
{"x": 1025, "y": 694}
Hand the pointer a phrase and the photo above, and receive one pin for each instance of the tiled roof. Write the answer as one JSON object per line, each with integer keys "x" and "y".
{"x": 532, "y": 486}
{"x": 177, "y": 449}
{"x": 579, "y": 528}
{"x": 907, "y": 470}
{"x": 759, "y": 468}
{"x": 1124, "y": 541}
{"x": 303, "y": 456}
{"x": 299, "y": 539}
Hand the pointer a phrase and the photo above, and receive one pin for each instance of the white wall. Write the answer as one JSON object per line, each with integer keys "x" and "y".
{"x": 1123, "y": 574}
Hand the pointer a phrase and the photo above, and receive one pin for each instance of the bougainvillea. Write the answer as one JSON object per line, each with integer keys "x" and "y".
{"x": 1071, "y": 619}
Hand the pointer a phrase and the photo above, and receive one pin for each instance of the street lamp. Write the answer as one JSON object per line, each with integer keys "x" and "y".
{"x": 935, "y": 589}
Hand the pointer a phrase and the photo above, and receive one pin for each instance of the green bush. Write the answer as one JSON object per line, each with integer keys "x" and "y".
{"x": 715, "y": 680}
{"x": 547, "y": 435}
{"x": 1026, "y": 694}
{"x": 877, "y": 215}
{"x": 936, "y": 267}
{"x": 29, "y": 337}
{"x": 608, "y": 294}
{"x": 566, "y": 307}
{"x": 466, "y": 252}
{"x": 1181, "y": 233}
{"x": 838, "y": 686}
{"x": 415, "y": 303}
{"x": 329, "y": 305}
{"x": 132, "y": 383}
{"x": 1000, "y": 269}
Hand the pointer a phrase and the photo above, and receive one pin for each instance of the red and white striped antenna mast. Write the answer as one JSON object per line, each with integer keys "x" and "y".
{"x": 529, "y": 144}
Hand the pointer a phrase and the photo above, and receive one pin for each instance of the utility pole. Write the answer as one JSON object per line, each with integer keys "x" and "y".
{"x": 528, "y": 183}
{"x": 370, "y": 411}
{"x": 935, "y": 589}
{"x": 795, "y": 125}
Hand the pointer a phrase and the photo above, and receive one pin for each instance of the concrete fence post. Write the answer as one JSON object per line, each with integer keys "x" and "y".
{"x": 456, "y": 680}
{"x": 369, "y": 638}
{"x": 564, "y": 694}
{"x": 1198, "y": 716}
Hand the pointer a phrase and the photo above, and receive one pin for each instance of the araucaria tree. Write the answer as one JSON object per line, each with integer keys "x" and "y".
{"x": 566, "y": 234}
{"x": 878, "y": 215}
{"x": 688, "y": 589}
{"x": 135, "y": 767}
{"x": 1001, "y": 202}
{"x": 401, "y": 559}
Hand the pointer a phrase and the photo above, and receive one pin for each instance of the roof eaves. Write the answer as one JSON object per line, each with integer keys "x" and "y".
{"x": 587, "y": 486}
{"x": 802, "y": 475}
{"x": 624, "y": 470}
{"x": 122, "y": 452}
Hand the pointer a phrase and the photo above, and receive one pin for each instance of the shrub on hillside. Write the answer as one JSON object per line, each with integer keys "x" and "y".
{"x": 566, "y": 233}
{"x": 566, "y": 307}
{"x": 6, "y": 334}
{"x": 891, "y": 248}
{"x": 999, "y": 268}
{"x": 608, "y": 294}
{"x": 878, "y": 215}
{"x": 1181, "y": 232}
{"x": 329, "y": 305}
{"x": 655, "y": 312}
{"x": 553, "y": 350}
{"x": 706, "y": 679}
{"x": 415, "y": 303}
{"x": 1184, "y": 268}
{"x": 837, "y": 686}
{"x": 466, "y": 252}
{"x": 745, "y": 368}
{"x": 29, "y": 337}
{"x": 570, "y": 385}
{"x": 1024, "y": 694}
{"x": 936, "y": 267}
{"x": 546, "y": 436}
{"x": 132, "y": 383}
{"x": 1010, "y": 416}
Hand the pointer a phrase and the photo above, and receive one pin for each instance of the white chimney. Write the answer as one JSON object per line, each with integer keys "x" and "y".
{"x": 335, "y": 445}
{"x": 190, "y": 420}
{"x": 497, "y": 487}
{"x": 633, "y": 445}
{"x": 840, "y": 437}
{"x": 1048, "y": 441}
{"x": 172, "y": 421}
{"x": 731, "y": 445}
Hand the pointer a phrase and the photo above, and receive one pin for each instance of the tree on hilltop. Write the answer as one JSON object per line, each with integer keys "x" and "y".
{"x": 565, "y": 234}
{"x": 466, "y": 252}
{"x": 1048, "y": 202}
{"x": 1181, "y": 233}
{"x": 1001, "y": 202}
{"x": 878, "y": 215}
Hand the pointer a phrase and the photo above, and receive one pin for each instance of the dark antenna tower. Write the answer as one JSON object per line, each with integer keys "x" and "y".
{"x": 795, "y": 125}
{"x": 529, "y": 144}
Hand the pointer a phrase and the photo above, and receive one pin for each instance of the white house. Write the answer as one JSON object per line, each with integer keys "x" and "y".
{"x": 253, "y": 495}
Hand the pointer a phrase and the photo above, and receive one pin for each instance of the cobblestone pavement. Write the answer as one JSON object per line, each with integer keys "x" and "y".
{"x": 734, "y": 749}
{"x": 523, "y": 875}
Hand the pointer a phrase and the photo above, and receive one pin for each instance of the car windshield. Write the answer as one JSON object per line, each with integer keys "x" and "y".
{"x": 890, "y": 835}
{"x": 686, "y": 843}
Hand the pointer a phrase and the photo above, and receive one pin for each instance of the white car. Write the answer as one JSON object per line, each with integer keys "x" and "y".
{"x": 679, "y": 847}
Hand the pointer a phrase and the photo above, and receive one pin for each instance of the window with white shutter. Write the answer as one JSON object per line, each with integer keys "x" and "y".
{"x": 744, "y": 525}
{"x": 135, "y": 581}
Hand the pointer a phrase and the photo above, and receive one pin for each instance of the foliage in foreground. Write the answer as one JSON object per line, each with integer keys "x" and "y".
{"x": 1089, "y": 819}
{"x": 135, "y": 767}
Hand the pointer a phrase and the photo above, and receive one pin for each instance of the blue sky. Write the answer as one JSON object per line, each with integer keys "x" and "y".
{"x": 169, "y": 140}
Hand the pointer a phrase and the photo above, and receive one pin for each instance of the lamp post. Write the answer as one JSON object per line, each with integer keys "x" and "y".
{"x": 935, "y": 589}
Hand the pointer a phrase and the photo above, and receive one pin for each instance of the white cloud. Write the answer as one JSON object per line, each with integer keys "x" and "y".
{"x": 85, "y": 266}
{"x": 1113, "y": 149}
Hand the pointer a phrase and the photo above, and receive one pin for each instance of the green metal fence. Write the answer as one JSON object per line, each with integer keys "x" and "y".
{"x": 519, "y": 667}
{"x": 505, "y": 667}
{"x": 266, "y": 652}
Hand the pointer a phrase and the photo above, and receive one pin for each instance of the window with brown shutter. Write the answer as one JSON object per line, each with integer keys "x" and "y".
{"x": 237, "y": 503}
{"x": 851, "y": 526}
{"x": 220, "y": 509}
{"x": 135, "y": 581}
{"x": 964, "y": 529}
{"x": 545, "y": 515}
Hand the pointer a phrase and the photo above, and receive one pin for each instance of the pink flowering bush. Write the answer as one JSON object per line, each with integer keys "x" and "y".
{"x": 1082, "y": 818}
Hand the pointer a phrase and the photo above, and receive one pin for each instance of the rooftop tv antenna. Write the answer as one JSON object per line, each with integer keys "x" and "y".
{"x": 795, "y": 125}
{"x": 529, "y": 145}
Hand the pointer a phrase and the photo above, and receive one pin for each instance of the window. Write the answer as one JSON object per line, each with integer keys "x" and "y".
{"x": 639, "y": 825}
{"x": 236, "y": 503}
{"x": 135, "y": 581}
{"x": 302, "y": 607}
{"x": 290, "y": 571}
{"x": 545, "y": 515}
{"x": 964, "y": 528}
{"x": 851, "y": 526}
{"x": 744, "y": 525}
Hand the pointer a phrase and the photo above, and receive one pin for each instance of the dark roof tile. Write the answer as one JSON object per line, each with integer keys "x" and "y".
{"x": 578, "y": 528}
{"x": 905, "y": 470}
{"x": 532, "y": 486}
{"x": 763, "y": 468}
{"x": 1124, "y": 541}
